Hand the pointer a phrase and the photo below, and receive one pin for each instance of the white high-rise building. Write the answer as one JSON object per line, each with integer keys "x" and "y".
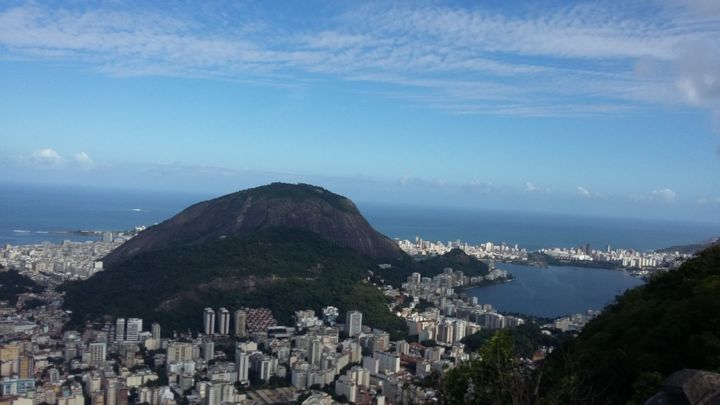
{"x": 315, "y": 352}
{"x": 459, "y": 331}
{"x": 134, "y": 327}
{"x": 120, "y": 329}
{"x": 353, "y": 323}
{"x": 98, "y": 351}
{"x": 178, "y": 352}
{"x": 446, "y": 332}
{"x": 156, "y": 331}
{"x": 208, "y": 349}
{"x": 209, "y": 321}
{"x": 346, "y": 386}
{"x": 387, "y": 362}
{"x": 242, "y": 363}
{"x": 223, "y": 321}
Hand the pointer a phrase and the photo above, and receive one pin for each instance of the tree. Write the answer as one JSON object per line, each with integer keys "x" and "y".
{"x": 496, "y": 376}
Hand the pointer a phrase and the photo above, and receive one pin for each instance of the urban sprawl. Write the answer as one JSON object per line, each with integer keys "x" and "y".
{"x": 242, "y": 356}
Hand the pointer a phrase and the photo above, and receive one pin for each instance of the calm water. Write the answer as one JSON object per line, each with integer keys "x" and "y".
{"x": 32, "y": 214}
{"x": 531, "y": 230}
{"x": 554, "y": 291}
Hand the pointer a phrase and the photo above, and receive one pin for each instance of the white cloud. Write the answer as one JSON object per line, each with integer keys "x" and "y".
{"x": 663, "y": 195}
{"x": 46, "y": 157}
{"x": 569, "y": 60}
{"x": 83, "y": 159}
{"x": 698, "y": 66}
{"x": 532, "y": 188}
{"x": 50, "y": 158}
{"x": 586, "y": 193}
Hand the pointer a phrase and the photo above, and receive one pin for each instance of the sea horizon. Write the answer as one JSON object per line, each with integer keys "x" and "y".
{"x": 34, "y": 213}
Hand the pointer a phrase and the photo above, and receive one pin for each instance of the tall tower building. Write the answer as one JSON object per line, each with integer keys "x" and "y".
{"x": 209, "y": 321}
{"x": 208, "y": 349}
{"x": 353, "y": 323}
{"x": 315, "y": 353}
{"x": 223, "y": 321}
{"x": 26, "y": 366}
{"x": 446, "y": 332}
{"x": 240, "y": 320}
{"x": 459, "y": 330}
{"x": 155, "y": 328}
{"x": 242, "y": 363}
{"x": 120, "y": 330}
{"x": 98, "y": 352}
{"x": 134, "y": 327}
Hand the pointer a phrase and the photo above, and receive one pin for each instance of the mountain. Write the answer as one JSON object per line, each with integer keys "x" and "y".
{"x": 456, "y": 259}
{"x": 691, "y": 248}
{"x": 298, "y": 206}
{"x": 670, "y": 323}
{"x": 284, "y": 247}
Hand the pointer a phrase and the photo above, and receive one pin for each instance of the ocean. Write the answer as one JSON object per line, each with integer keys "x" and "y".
{"x": 32, "y": 214}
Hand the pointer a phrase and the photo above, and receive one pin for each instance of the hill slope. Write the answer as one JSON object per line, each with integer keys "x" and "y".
{"x": 456, "y": 259}
{"x": 671, "y": 323}
{"x": 692, "y": 248}
{"x": 283, "y": 269}
{"x": 300, "y": 206}
{"x": 284, "y": 247}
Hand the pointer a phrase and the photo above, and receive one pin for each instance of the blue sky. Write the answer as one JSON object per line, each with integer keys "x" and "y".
{"x": 603, "y": 108}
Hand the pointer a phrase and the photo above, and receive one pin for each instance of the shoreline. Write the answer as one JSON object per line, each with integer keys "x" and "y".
{"x": 629, "y": 271}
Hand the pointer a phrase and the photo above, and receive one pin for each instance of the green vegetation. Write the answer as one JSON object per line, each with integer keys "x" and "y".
{"x": 621, "y": 357}
{"x": 672, "y": 322}
{"x": 692, "y": 248}
{"x": 432, "y": 266}
{"x": 526, "y": 338}
{"x": 283, "y": 269}
{"x": 496, "y": 376}
{"x": 33, "y": 303}
{"x": 543, "y": 259}
{"x": 13, "y": 283}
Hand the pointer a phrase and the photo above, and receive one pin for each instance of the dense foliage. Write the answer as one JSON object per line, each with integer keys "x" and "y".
{"x": 525, "y": 338}
{"x": 621, "y": 357}
{"x": 13, "y": 283}
{"x": 543, "y": 259}
{"x": 282, "y": 269}
{"x": 671, "y": 323}
{"x": 495, "y": 376}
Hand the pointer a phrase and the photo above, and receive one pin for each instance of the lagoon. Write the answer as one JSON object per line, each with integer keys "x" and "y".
{"x": 554, "y": 291}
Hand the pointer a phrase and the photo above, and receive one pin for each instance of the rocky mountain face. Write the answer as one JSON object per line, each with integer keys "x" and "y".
{"x": 298, "y": 206}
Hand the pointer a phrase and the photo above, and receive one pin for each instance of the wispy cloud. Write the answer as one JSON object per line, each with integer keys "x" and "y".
{"x": 665, "y": 195}
{"x": 50, "y": 158}
{"x": 534, "y": 189}
{"x": 573, "y": 60}
{"x": 587, "y": 193}
{"x": 46, "y": 157}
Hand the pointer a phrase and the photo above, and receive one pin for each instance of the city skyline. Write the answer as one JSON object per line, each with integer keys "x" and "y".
{"x": 603, "y": 109}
